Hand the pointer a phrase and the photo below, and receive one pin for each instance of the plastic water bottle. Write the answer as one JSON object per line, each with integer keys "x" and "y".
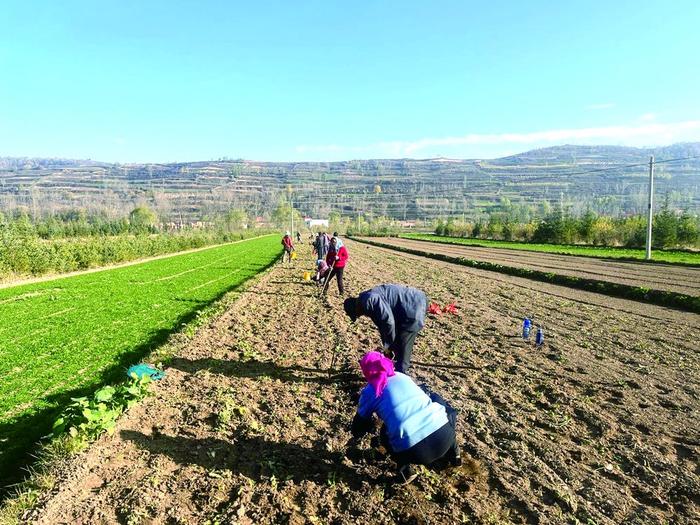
{"x": 527, "y": 326}
{"x": 539, "y": 338}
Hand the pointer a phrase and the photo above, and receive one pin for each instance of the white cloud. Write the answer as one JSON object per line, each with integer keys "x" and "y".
{"x": 606, "y": 105}
{"x": 642, "y": 134}
{"x": 648, "y": 117}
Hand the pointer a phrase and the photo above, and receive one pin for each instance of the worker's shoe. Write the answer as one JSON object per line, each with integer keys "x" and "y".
{"x": 454, "y": 457}
{"x": 406, "y": 475}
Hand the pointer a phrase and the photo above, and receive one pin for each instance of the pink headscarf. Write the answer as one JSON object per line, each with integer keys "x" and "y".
{"x": 377, "y": 369}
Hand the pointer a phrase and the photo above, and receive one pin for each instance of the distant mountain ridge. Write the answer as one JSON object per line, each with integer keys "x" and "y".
{"x": 401, "y": 188}
{"x": 614, "y": 153}
{"x": 680, "y": 149}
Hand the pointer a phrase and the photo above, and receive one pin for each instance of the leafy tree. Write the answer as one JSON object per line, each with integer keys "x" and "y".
{"x": 142, "y": 219}
{"x": 688, "y": 230}
{"x": 235, "y": 219}
{"x": 585, "y": 226}
{"x": 603, "y": 231}
{"x": 282, "y": 215}
{"x": 665, "y": 225}
{"x": 632, "y": 231}
{"x": 478, "y": 229}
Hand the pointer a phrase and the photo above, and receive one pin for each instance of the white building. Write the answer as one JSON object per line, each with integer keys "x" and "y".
{"x": 312, "y": 223}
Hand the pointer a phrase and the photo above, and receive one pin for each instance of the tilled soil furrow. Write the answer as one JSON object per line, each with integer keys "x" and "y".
{"x": 661, "y": 277}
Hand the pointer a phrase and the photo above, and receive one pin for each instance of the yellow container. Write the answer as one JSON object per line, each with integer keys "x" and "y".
{"x": 294, "y": 255}
{"x": 307, "y": 276}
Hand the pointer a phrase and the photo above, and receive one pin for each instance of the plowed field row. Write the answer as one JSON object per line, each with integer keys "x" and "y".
{"x": 665, "y": 277}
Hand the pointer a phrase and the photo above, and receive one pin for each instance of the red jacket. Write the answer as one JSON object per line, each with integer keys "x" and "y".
{"x": 287, "y": 242}
{"x": 342, "y": 257}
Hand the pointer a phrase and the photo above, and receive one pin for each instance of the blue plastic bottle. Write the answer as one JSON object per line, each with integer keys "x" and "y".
{"x": 539, "y": 338}
{"x": 527, "y": 326}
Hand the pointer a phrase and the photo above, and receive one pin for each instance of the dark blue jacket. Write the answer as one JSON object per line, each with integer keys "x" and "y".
{"x": 394, "y": 308}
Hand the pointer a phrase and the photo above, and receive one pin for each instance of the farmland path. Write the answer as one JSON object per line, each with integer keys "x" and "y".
{"x": 666, "y": 277}
{"x": 600, "y": 425}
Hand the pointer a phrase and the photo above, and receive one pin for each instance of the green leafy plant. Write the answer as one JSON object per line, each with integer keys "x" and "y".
{"x": 87, "y": 418}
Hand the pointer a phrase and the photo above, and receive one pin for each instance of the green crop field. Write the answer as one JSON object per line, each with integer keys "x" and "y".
{"x": 603, "y": 252}
{"x": 64, "y": 337}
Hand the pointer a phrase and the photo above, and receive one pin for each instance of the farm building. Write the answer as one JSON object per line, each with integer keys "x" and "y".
{"x": 312, "y": 223}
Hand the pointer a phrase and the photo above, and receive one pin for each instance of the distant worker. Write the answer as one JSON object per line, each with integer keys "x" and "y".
{"x": 418, "y": 426}
{"x": 325, "y": 245}
{"x": 318, "y": 247}
{"x": 298, "y": 236}
{"x": 288, "y": 246}
{"x": 336, "y": 259}
{"x": 399, "y": 314}
{"x": 339, "y": 240}
{"x": 321, "y": 271}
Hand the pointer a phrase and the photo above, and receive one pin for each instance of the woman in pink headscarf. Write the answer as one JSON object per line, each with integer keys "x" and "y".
{"x": 418, "y": 428}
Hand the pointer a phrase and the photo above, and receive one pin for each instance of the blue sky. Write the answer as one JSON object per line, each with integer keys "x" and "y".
{"x": 136, "y": 81}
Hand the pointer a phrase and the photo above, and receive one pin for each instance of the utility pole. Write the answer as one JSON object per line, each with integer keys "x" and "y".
{"x": 650, "y": 215}
{"x": 291, "y": 202}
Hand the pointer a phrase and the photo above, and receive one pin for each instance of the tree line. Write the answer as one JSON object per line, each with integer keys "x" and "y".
{"x": 670, "y": 229}
{"x": 75, "y": 240}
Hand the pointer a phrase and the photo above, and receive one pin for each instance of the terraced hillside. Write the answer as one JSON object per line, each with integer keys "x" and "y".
{"x": 401, "y": 188}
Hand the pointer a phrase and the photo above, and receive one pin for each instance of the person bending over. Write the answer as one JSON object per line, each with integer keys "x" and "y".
{"x": 399, "y": 314}
{"x": 418, "y": 428}
{"x": 321, "y": 271}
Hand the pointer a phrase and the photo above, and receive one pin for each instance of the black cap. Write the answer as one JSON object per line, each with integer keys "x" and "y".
{"x": 350, "y": 307}
{"x": 335, "y": 234}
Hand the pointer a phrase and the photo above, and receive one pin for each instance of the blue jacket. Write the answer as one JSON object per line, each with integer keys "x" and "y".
{"x": 394, "y": 308}
{"x": 407, "y": 412}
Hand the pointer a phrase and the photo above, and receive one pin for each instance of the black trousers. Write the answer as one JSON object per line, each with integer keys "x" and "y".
{"x": 440, "y": 444}
{"x": 403, "y": 348}
{"x": 338, "y": 274}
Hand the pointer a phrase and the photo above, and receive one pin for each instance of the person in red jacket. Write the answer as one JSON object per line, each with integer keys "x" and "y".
{"x": 337, "y": 258}
{"x": 288, "y": 246}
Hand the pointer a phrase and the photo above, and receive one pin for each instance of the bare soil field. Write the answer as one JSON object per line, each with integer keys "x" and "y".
{"x": 599, "y": 426}
{"x": 666, "y": 277}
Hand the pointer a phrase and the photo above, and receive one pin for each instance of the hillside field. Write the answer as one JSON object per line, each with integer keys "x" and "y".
{"x": 63, "y": 337}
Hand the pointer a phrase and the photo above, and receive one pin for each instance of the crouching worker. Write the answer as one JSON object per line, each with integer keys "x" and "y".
{"x": 418, "y": 429}
{"x": 321, "y": 271}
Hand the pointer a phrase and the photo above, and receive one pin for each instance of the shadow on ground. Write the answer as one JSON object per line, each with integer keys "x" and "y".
{"x": 253, "y": 368}
{"x": 254, "y": 457}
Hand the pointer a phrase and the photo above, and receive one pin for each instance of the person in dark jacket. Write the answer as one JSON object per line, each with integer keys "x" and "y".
{"x": 318, "y": 247}
{"x": 418, "y": 425}
{"x": 325, "y": 245}
{"x": 399, "y": 314}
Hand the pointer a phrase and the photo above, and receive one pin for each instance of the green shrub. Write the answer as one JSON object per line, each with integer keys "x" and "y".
{"x": 86, "y": 418}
